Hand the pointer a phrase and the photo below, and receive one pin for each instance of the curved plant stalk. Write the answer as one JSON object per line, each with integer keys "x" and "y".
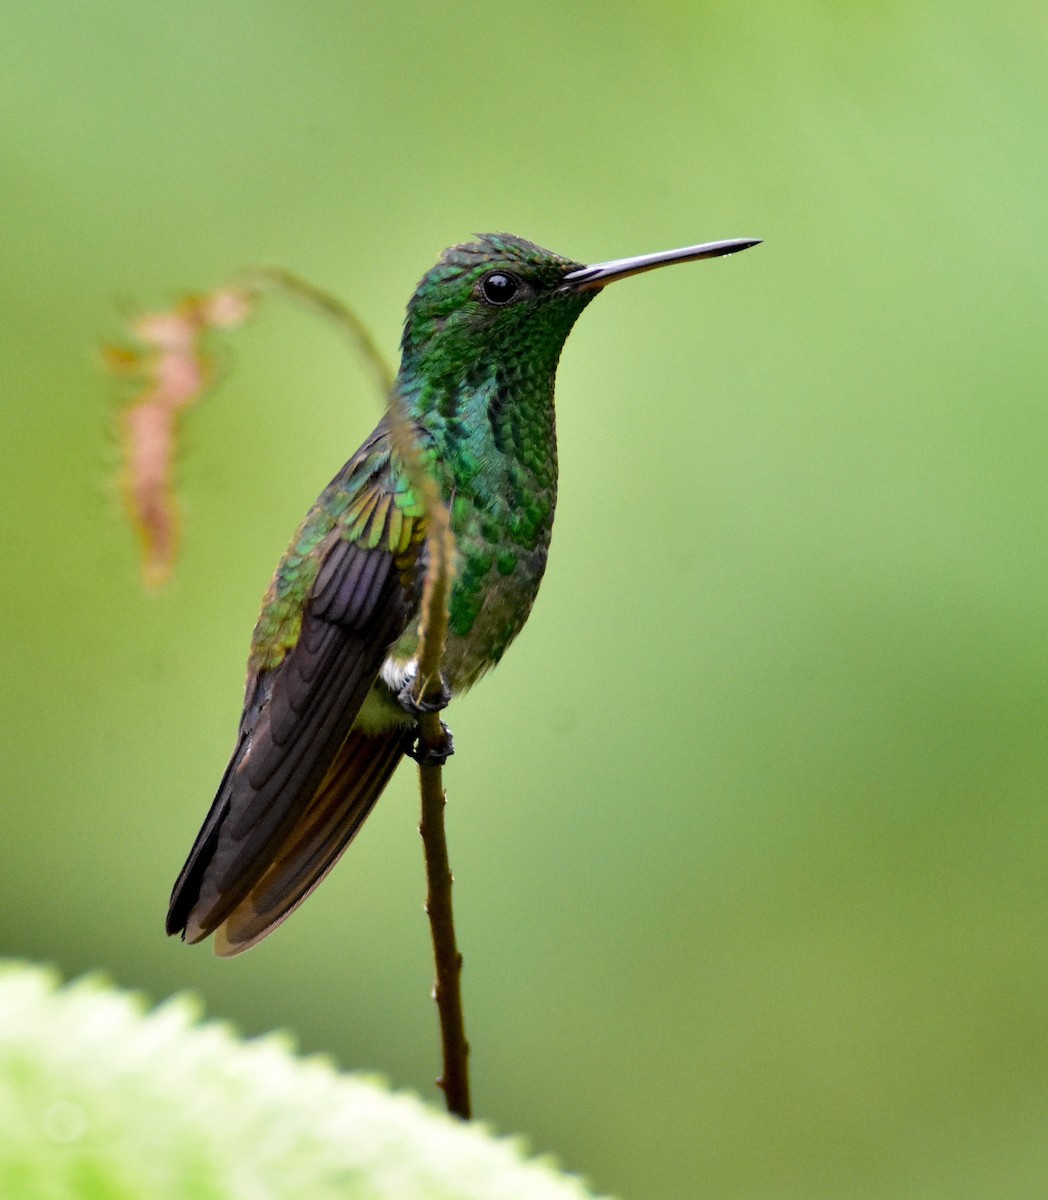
{"x": 170, "y": 365}
{"x": 435, "y": 741}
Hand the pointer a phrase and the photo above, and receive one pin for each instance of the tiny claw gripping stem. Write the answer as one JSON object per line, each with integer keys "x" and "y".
{"x": 415, "y": 706}
{"x": 430, "y": 756}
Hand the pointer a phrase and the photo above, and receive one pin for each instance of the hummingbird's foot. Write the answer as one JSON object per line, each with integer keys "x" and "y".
{"x": 415, "y": 707}
{"x": 430, "y": 756}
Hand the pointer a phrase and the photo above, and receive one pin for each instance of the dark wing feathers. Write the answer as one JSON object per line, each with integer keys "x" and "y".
{"x": 349, "y": 583}
{"x": 185, "y": 893}
{"x": 356, "y": 779}
{"x": 296, "y": 790}
{"x": 265, "y": 795}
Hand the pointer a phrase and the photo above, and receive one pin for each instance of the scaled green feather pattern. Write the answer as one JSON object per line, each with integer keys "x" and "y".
{"x": 371, "y": 503}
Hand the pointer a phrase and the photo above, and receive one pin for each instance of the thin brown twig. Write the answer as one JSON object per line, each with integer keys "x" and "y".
{"x": 433, "y": 737}
{"x": 447, "y": 990}
{"x": 260, "y": 280}
{"x": 433, "y": 632}
{"x": 159, "y": 522}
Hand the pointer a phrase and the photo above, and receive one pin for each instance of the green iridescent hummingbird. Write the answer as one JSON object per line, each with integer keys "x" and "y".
{"x": 328, "y": 713}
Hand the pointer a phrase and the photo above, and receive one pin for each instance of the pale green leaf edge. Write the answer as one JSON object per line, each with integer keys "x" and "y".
{"x": 104, "y": 1099}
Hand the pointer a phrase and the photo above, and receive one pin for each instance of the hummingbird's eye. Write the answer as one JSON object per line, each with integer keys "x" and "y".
{"x": 499, "y": 288}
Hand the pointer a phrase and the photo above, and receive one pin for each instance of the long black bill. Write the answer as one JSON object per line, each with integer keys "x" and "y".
{"x": 601, "y": 274}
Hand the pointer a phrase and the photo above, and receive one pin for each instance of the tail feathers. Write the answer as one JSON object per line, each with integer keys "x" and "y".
{"x": 315, "y": 841}
{"x": 185, "y": 895}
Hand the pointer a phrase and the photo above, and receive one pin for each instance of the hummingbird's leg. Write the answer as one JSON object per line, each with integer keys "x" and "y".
{"x": 432, "y": 756}
{"x": 415, "y": 707}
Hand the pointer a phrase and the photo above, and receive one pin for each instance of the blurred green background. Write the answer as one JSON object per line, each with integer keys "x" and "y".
{"x": 749, "y": 829}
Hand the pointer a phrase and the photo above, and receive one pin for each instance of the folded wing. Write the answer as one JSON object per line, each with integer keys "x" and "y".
{"x": 299, "y": 784}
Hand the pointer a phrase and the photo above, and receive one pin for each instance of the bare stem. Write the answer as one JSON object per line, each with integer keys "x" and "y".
{"x": 447, "y": 959}
{"x": 433, "y": 632}
{"x": 156, "y": 363}
{"x": 261, "y": 280}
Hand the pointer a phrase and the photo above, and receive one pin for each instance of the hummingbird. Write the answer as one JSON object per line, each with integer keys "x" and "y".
{"x": 328, "y": 707}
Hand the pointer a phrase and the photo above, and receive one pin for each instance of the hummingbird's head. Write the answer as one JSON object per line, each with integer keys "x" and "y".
{"x": 503, "y": 304}
{"x": 497, "y": 300}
